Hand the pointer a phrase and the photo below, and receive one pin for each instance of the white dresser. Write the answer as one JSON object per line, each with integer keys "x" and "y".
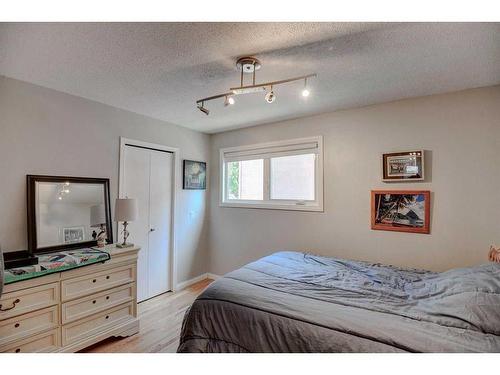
{"x": 68, "y": 311}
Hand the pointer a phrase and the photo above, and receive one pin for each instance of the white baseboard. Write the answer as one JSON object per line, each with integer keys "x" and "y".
{"x": 213, "y": 276}
{"x": 185, "y": 284}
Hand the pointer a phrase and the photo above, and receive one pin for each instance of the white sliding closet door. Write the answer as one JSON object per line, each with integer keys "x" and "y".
{"x": 136, "y": 185}
{"x": 160, "y": 209}
{"x": 147, "y": 176}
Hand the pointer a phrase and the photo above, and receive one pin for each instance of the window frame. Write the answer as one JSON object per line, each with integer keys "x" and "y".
{"x": 267, "y": 202}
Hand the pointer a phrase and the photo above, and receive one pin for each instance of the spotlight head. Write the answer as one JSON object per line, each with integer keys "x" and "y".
{"x": 270, "y": 97}
{"x": 203, "y": 109}
{"x": 305, "y": 92}
{"x": 228, "y": 101}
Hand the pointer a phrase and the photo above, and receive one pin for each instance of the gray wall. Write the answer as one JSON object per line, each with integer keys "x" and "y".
{"x": 462, "y": 133}
{"x": 43, "y": 131}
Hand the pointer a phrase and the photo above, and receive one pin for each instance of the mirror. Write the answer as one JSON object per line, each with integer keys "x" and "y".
{"x": 67, "y": 212}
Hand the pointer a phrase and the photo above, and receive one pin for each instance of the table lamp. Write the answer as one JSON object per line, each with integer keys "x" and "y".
{"x": 125, "y": 210}
{"x": 98, "y": 220}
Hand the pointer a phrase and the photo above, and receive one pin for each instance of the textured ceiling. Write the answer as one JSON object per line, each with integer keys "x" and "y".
{"x": 161, "y": 69}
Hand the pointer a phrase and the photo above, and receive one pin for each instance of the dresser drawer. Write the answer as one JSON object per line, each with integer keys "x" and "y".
{"x": 93, "y": 283}
{"x": 42, "y": 343}
{"x": 85, "y": 306}
{"x": 28, "y": 300}
{"x": 98, "y": 323}
{"x": 30, "y": 324}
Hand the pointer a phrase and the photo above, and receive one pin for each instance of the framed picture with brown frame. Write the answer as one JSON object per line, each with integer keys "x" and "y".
{"x": 401, "y": 210}
{"x": 403, "y": 166}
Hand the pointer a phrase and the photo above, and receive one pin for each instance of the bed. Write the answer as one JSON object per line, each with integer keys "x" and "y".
{"x": 298, "y": 302}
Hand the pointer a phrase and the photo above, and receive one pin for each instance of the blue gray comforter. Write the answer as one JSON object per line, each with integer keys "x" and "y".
{"x": 296, "y": 302}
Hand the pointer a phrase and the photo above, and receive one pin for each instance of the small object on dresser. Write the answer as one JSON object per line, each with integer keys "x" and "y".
{"x": 98, "y": 220}
{"x": 21, "y": 258}
{"x": 1, "y": 271}
{"x": 125, "y": 210}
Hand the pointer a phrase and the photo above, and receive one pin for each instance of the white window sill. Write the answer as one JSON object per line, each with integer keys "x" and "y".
{"x": 313, "y": 207}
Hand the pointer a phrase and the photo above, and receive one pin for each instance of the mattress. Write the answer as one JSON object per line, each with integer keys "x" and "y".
{"x": 299, "y": 302}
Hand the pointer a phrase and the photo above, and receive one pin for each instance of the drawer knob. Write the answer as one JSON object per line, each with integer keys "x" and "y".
{"x": 18, "y": 350}
{"x": 16, "y": 325}
{"x": 94, "y": 280}
{"x": 94, "y": 301}
{"x": 107, "y": 316}
{"x": 14, "y": 303}
{"x": 107, "y": 277}
{"x": 107, "y": 297}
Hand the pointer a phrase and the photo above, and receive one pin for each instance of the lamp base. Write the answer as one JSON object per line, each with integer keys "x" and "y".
{"x": 124, "y": 245}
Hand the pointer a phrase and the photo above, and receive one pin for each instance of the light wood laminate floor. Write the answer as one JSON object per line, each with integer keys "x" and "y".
{"x": 160, "y": 320}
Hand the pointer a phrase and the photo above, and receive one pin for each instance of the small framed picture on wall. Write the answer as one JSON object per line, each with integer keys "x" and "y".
{"x": 195, "y": 175}
{"x": 401, "y": 210}
{"x": 403, "y": 166}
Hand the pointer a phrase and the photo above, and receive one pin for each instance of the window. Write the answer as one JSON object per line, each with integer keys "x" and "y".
{"x": 245, "y": 179}
{"x": 293, "y": 177}
{"x": 279, "y": 175}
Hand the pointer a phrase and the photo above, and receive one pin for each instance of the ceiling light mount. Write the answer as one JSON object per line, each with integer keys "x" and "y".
{"x": 249, "y": 65}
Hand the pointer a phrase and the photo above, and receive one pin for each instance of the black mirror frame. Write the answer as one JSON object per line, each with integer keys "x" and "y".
{"x": 32, "y": 235}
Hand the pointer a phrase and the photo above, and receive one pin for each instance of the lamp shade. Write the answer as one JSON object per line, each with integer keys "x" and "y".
{"x": 97, "y": 215}
{"x": 126, "y": 209}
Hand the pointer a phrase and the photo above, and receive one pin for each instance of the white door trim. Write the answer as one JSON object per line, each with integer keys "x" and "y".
{"x": 175, "y": 178}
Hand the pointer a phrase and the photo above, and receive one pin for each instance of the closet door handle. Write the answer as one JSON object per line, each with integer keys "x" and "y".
{"x": 152, "y": 229}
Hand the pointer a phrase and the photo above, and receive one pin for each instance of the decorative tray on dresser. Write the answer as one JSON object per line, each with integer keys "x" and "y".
{"x": 68, "y": 311}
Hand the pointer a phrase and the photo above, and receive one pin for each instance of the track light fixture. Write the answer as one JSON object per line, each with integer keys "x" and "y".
{"x": 229, "y": 100}
{"x": 203, "y": 109}
{"x": 305, "y": 92}
{"x": 270, "y": 96}
{"x": 249, "y": 65}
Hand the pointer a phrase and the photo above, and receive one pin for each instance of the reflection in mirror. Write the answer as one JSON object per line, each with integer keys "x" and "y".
{"x": 68, "y": 212}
